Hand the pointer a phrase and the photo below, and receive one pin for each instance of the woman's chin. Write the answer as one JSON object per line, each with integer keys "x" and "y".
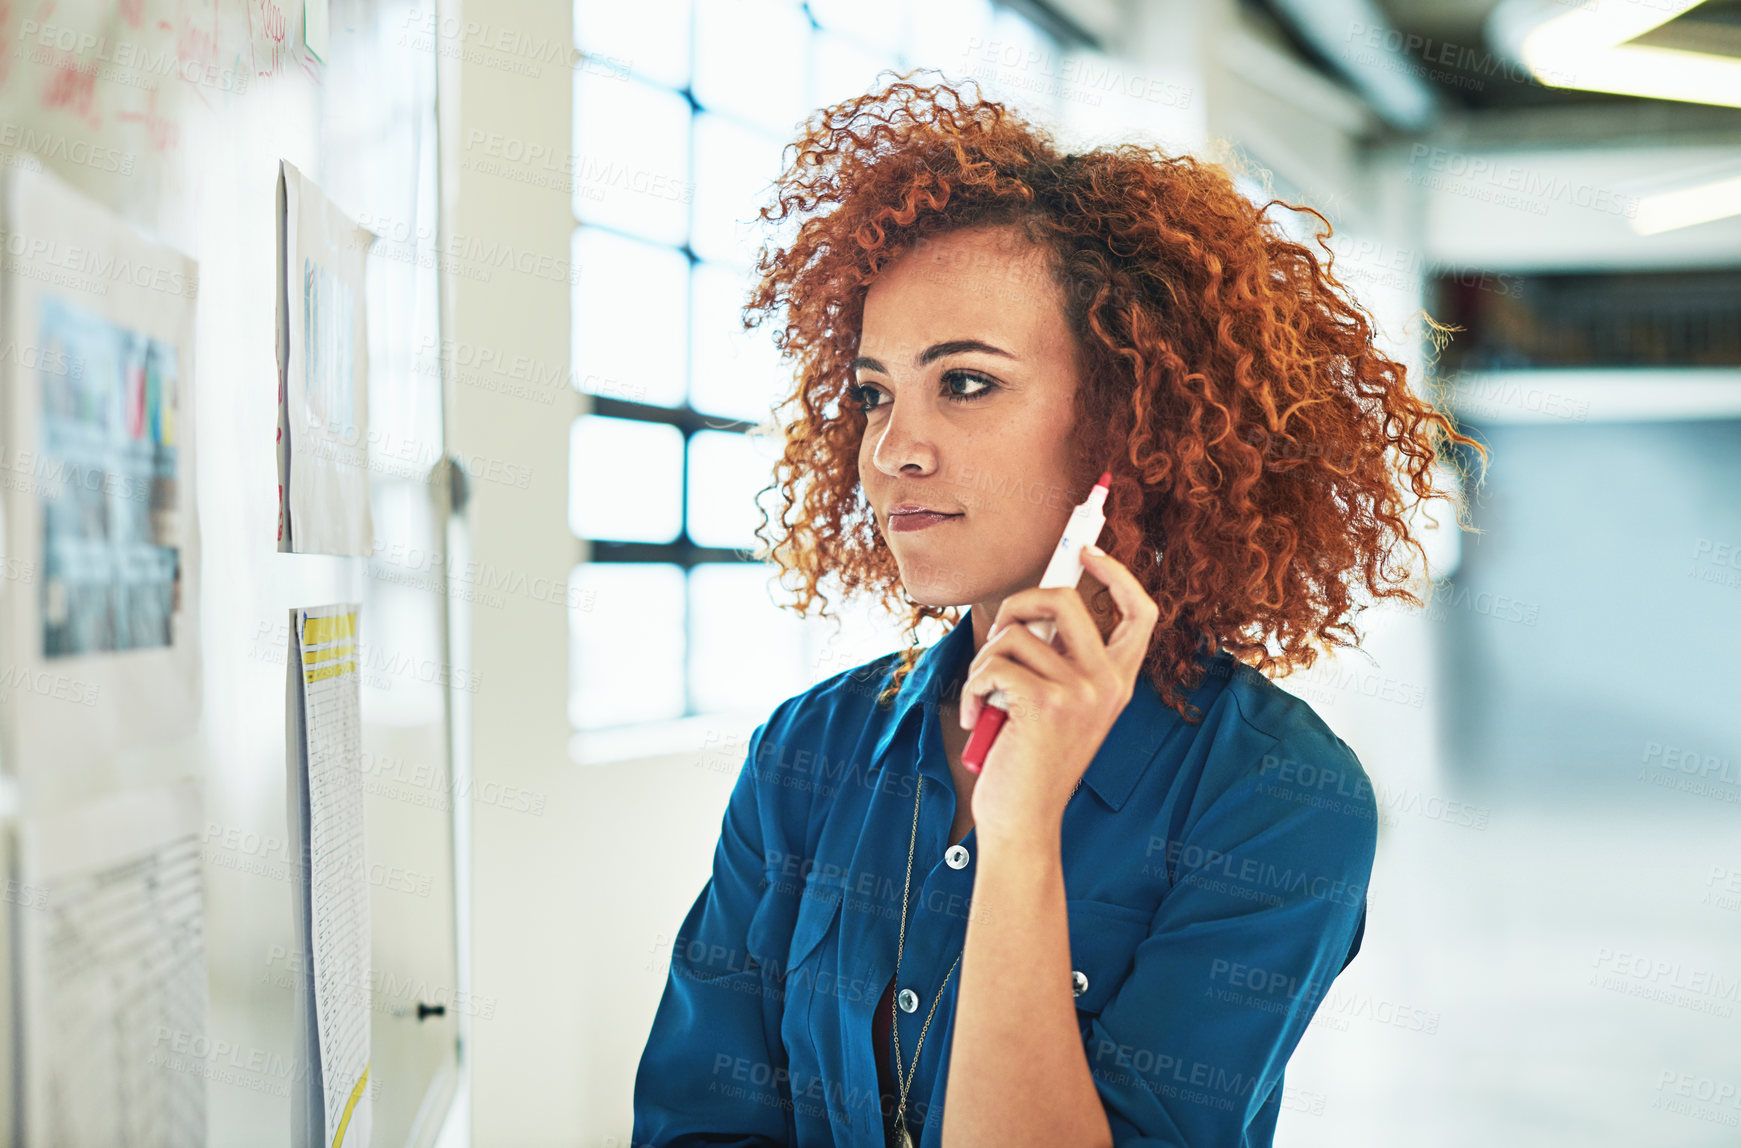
{"x": 936, "y": 597}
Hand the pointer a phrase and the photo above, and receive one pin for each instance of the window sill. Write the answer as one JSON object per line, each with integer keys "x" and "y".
{"x": 690, "y": 735}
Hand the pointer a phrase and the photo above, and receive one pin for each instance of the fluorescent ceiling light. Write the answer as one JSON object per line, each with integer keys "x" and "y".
{"x": 1586, "y": 47}
{"x": 1667, "y": 210}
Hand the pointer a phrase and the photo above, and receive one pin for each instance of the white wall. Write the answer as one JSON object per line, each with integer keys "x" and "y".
{"x": 536, "y": 926}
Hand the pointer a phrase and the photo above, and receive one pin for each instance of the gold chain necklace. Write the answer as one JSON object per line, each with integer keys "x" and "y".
{"x": 901, "y": 1138}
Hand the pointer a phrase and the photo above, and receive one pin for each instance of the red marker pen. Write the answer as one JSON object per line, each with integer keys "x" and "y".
{"x": 1065, "y": 569}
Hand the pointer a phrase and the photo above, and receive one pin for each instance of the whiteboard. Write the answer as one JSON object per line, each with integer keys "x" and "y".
{"x": 174, "y": 117}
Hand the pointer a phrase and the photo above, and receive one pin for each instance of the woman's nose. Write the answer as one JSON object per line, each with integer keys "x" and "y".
{"x": 906, "y": 442}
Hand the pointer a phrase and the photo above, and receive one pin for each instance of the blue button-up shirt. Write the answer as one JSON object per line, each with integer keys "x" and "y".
{"x": 1215, "y": 876}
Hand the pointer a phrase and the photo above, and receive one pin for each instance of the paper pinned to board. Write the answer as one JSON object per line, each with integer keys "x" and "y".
{"x": 331, "y": 889}
{"x": 323, "y": 374}
{"x": 102, "y": 533}
{"x": 112, "y": 977}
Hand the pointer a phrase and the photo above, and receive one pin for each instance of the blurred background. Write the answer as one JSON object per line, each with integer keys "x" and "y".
{"x": 569, "y": 640}
{"x": 1553, "y": 953}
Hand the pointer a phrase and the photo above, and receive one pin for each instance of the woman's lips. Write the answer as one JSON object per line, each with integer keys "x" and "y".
{"x": 917, "y": 521}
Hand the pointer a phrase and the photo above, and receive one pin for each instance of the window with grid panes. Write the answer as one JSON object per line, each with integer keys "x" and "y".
{"x": 681, "y": 111}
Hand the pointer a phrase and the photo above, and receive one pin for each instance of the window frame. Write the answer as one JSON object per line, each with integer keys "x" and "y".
{"x": 620, "y": 741}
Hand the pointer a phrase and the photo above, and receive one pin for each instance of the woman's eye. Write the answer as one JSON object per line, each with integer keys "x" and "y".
{"x": 866, "y": 395}
{"x": 970, "y": 376}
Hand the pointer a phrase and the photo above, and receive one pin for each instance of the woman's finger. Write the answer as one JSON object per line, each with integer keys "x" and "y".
{"x": 1023, "y": 646}
{"x": 1023, "y": 687}
{"x": 1130, "y": 638}
{"x": 1075, "y": 632}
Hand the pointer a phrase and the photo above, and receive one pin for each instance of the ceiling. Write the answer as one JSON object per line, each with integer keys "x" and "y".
{"x": 1445, "y": 46}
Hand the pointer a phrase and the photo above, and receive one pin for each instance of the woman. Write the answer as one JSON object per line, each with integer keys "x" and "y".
{"x": 1118, "y": 930}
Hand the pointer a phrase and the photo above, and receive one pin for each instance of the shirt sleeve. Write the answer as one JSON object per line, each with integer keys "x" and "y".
{"x": 714, "y": 1069}
{"x": 1266, "y": 906}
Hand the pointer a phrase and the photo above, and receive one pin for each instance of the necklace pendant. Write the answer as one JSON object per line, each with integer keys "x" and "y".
{"x": 902, "y": 1140}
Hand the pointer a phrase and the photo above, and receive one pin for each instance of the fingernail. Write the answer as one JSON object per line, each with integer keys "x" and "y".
{"x": 1093, "y": 549}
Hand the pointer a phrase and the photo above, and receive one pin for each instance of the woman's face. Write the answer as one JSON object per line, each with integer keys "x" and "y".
{"x": 967, "y": 369}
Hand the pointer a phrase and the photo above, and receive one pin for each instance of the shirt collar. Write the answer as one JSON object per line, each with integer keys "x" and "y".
{"x": 940, "y": 666}
{"x": 1125, "y": 754}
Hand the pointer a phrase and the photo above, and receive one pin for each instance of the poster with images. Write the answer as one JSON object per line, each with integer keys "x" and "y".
{"x": 101, "y": 532}
{"x": 111, "y": 523}
{"x": 323, "y": 374}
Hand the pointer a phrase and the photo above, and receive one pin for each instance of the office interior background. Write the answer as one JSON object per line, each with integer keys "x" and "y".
{"x": 1537, "y": 201}
{"x": 1551, "y": 952}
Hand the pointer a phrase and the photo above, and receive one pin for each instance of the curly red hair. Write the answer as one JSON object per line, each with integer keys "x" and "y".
{"x": 1266, "y": 454}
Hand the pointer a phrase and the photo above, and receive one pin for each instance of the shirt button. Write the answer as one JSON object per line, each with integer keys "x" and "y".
{"x": 908, "y": 1000}
{"x": 956, "y": 857}
{"x": 1078, "y": 981}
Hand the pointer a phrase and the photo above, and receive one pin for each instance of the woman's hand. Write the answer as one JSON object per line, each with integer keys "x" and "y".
{"x": 1064, "y": 697}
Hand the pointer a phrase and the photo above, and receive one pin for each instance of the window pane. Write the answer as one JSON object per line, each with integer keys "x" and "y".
{"x": 1015, "y": 63}
{"x": 752, "y": 61}
{"x": 747, "y": 652}
{"x": 631, "y": 156}
{"x": 1105, "y": 96}
{"x": 726, "y": 469}
{"x": 648, "y": 37}
{"x": 734, "y": 168}
{"x": 843, "y": 68}
{"x": 625, "y": 643}
{"x": 737, "y": 373}
{"x": 866, "y": 632}
{"x": 631, "y": 318}
{"x": 876, "y": 26}
{"x": 1033, "y": 70}
{"x": 953, "y": 35}
{"x": 625, "y": 479}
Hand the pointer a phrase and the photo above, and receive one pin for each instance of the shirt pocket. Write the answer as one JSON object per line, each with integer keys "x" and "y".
{"x": 809, "y": 986}
{"x": 790, "y": 919}
{"x": 818, "y": 906}
{"x": 770, "y": 923}
{"x": 1103, "y": 941}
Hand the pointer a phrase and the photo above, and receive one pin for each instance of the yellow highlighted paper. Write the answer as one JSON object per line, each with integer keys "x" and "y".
{"x": 320, "y": 631}
{"x": 344, "y": 1121}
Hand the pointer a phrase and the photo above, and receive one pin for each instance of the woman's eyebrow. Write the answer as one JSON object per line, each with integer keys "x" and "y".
{"x": 934, "y": 352}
